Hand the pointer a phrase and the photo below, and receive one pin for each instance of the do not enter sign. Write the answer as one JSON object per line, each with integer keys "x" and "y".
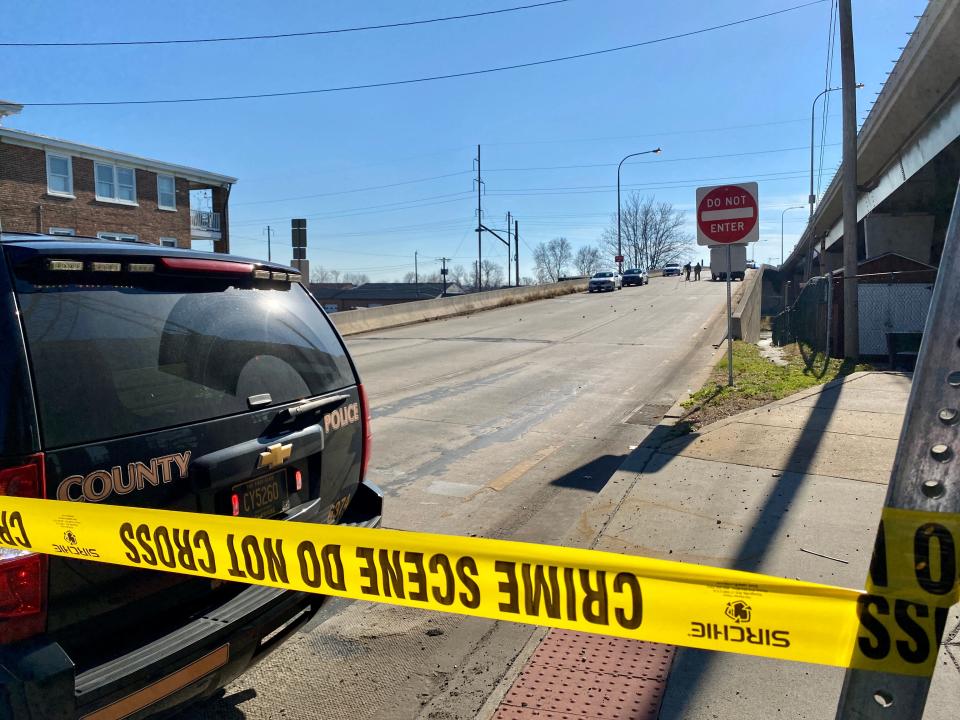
{"x": 727, "y": 214}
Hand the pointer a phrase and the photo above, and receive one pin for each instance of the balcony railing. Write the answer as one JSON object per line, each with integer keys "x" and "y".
{"x": 205, "y": 221}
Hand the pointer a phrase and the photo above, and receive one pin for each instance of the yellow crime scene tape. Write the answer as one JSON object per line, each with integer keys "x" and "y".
{"x": 587, "y": 590}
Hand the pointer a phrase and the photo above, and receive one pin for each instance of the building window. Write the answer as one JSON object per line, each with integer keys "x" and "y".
{"x": 116, "y": 183}
{"x": 59, "y": 175}
{"x": 63, "y": 231}
{"x": 168, "y": 242}
{"x": 129, "y": 237}
{"x": 166, "y": 192}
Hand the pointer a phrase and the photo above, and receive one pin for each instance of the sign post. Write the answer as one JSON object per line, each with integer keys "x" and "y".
{"x": 727, "y": 215}
{"x": 729, "y": 319}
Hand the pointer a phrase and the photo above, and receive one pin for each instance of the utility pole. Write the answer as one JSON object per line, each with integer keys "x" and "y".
{"x": 516, "y": 253}
{"x": 416, "y": 272}
{"x": 851, "y": 325}
{"x": 508, "y": 248}
{"x": 269, "y": 259}
{"x": 443, "y": 273}
{"x": 479, "y": 220}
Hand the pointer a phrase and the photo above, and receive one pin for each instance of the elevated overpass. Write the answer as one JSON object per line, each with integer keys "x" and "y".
{"x": 908, "y": 159}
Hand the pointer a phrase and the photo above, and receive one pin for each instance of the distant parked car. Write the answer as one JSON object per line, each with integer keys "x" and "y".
{"x": 751, "y": 264}
{"x": 605, "y": 280}
{"x": 635, "y": 276}
{"x": 671, "y": 269}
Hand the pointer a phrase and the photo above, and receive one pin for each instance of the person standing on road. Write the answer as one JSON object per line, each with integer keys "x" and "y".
{"x": 686, "y": 271}
{"x": 696, "y": 271}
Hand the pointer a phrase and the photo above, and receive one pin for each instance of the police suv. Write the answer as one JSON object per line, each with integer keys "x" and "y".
{"x": 145, "y": 376}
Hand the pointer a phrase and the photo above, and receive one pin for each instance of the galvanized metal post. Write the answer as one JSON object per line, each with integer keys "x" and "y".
{"x": 516, "y": 251}
{"x": 924, "y": 473}
{"x": 826, "y": 349}
{"x": 729, "y": 318}
{"x": 479, "y": 220}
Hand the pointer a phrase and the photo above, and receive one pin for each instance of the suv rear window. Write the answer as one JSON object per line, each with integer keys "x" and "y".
{"x": 114, "y": 361}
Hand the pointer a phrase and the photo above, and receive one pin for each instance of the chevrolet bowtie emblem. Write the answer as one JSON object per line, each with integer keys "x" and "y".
{"x": 275, "y": 455}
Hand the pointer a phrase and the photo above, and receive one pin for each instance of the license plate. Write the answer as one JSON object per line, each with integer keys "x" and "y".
{"x": 261, "y": 497}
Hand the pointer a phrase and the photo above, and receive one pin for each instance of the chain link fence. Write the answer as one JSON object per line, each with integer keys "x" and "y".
{"x": 892, "y": 311}
{"x": 807, "y": 323}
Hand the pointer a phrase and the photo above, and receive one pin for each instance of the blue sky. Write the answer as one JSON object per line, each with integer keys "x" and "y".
{"x": 743, "y": 89}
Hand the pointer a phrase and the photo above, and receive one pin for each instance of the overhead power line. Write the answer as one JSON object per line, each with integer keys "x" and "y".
{"x": 527, "y": 142}
{"x": 496, "y": 193}
{"x": 279, "y": 36}
{"x": 354, "y": 190}
{"x": 654, "y": 162}
{"x": 654, "y": 134}
{"x": 659, "y": 183}
{"x": 429, "y": 78}
{"x": 369, "y": 210}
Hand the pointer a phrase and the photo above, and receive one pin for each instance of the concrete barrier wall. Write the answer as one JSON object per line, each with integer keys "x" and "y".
{"x": 746, "y": 313}
{"x": 351, "y": 322}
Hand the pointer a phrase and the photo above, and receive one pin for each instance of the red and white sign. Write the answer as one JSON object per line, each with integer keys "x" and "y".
{"x": 727, "y": 214}
{"x": 618, "y": 258}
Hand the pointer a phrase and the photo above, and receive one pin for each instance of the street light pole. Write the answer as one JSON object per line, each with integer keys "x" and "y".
{"x": 792, "y": 207}
{"x": 813, "y": 110}
{"x": 655, "y": 151}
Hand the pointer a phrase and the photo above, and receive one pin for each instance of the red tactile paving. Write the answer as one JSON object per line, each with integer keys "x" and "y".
{"x": 579, "y": 675}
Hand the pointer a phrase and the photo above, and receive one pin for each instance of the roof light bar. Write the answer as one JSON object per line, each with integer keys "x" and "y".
{"x": 261, "y": 274}
{"x": 105, "y": 266}
{"x": 141, "y": 267}
{"x": 224, "y": 267}
{"x": 67, "y": 265}
{"x": 278, "y": 276}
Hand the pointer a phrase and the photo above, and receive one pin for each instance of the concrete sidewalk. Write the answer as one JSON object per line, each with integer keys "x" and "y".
{"x": 793, "y": 489}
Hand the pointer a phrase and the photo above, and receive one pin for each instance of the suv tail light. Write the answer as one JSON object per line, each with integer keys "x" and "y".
{"x": 367, "y": 433}
{"x": 23, "y": 574}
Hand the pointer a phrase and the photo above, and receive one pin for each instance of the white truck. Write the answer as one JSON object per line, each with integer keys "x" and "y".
{"x": 738, "y": 262}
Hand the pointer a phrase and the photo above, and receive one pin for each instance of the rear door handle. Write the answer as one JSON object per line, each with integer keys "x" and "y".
{"x": 242, "y": 461}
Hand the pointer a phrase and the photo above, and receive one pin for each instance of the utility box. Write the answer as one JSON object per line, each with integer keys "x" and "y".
{"x": 718, "y": 262}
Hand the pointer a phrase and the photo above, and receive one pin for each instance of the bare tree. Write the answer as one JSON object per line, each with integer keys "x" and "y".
{"x": 320, "y": 274}
{"x": 587, "y": 260}
{"x": 551, "y": 258}
{"x": 356, "y": 278}
{"x": 491, "y": 274}
{"x": 432, "y": 277}
{"x": 458, "y": 275}
{"x": 334, "y": 275}
{"x": 652, "y": 232}
{"x": 527, "y": 280}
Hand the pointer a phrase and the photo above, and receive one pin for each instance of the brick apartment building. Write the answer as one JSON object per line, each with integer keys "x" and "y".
{"x": 61, "y": 187}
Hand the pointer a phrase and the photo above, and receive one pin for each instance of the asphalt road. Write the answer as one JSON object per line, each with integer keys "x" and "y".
{"x": 501, "y": 424}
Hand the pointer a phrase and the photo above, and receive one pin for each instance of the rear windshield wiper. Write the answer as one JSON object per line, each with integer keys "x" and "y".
{"x": 311, "y": 405}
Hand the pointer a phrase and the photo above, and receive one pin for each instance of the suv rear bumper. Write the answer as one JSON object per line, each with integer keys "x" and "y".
{"x": 37, "y": 678}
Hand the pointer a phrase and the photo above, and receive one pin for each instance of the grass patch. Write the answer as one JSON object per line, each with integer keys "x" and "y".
{"x": 758, "y": 381}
